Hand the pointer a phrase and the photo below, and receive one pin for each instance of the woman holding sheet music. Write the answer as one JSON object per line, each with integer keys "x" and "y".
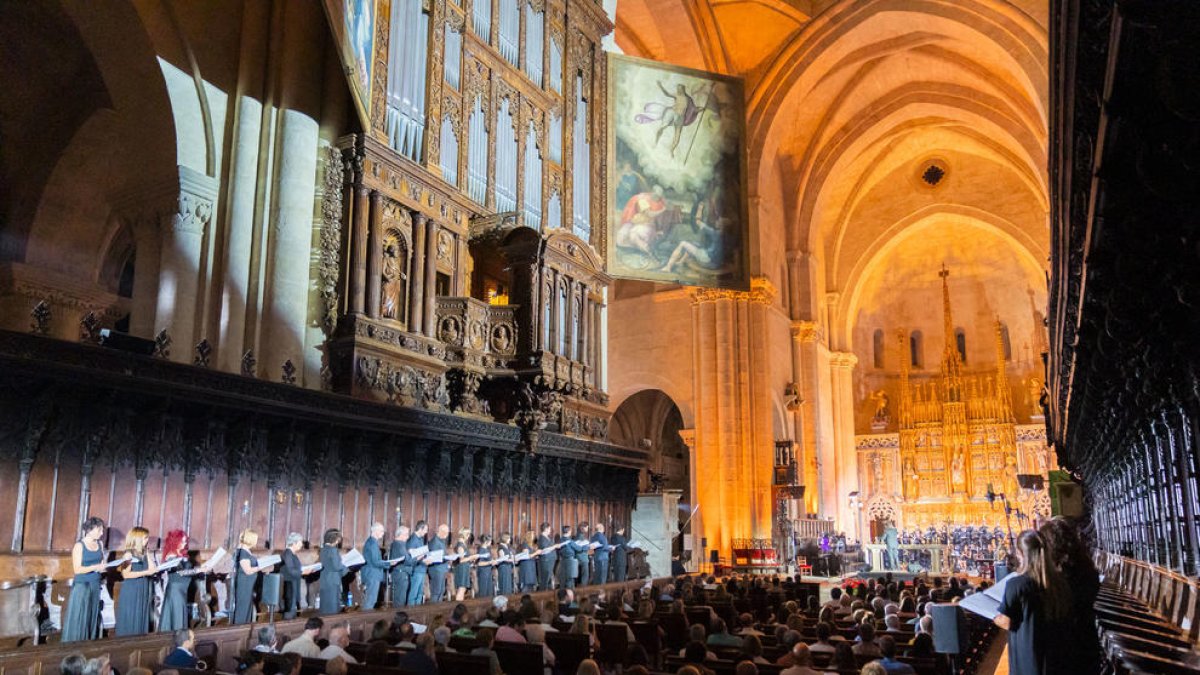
{"x": 504, "y": 565}
{"x": 332, "y": 572}
{"x": 81, "y": 619}
{"x": 1035, "y": 611}
{"x": 527, "y": 574}
{"x": 485, "y": 570}
{"x": 462, "y": 566}
{"x": 174, "y": 615}
{"x": 136, "y": 597}
{"x": 245, "y": 577}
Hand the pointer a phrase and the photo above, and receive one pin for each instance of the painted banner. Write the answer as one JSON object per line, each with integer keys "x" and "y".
{"x": 677, "y": 199}
{"x": 353, "y": 23}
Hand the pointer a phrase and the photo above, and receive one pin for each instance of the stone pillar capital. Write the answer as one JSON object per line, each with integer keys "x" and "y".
{"x": 762, "y": 292}
{"x": 845, "y": 360}
{"x": 806, "y": 331}
{"x": 689, "y": 438}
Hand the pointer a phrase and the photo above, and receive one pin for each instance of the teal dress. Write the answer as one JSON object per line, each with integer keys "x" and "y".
{"x": 243, "y": 587}
{"x": 81, "y": 620}
{"x": 175, "y": 598}
{"x": 133, "y": 611}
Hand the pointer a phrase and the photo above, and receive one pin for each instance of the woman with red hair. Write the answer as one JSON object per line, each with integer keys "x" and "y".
{"x": 179, "y": 582}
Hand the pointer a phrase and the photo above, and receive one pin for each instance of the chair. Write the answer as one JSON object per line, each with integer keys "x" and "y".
{"x": 614, "y": 643}
{"x": 569, "y": 649}
{"x": 646, "y": 633}
{"x": 450, "y": 663}
{"x": 516, "y": 657}
{"x": 676, "y": 628}
{"x": 463, "y": 645}
{"x": 803, "y": 566}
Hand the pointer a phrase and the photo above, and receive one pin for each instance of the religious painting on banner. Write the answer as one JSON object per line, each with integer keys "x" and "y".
{"x": 676, "y": 202}
{"x": 353, "y": 23}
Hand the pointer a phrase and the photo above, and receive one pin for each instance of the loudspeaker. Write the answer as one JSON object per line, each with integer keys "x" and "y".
{"x": 1030, "y": 481}
{"x": 949, "y": 629}
{"x": 270, "y": 589}
{"x": 1001, "y": 571}
{"x": 714, "y": 556}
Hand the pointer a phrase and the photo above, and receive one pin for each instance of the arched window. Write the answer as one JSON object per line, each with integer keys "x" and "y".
{"x": 877, "y": 344}
{"x": 1006, "y": 342}
{"x": 960, "y": 341}
{"x": 916, "y": 350}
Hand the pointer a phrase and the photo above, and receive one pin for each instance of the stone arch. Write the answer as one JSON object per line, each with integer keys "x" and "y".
{"x": 651, "y": 420}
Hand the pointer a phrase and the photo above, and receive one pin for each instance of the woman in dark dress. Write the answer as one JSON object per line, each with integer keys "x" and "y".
{"x": 81, "y": 618}
{"x": 485, "y": 570}
{"x": 527, "y": 569}
{"x": 332, "y": 572}
{"x": 245, "y": 577}
{"x": 620, "y": 554}
{"x": 1079, "y": 573}
{"x": 174, "y": 614}
{"x": 1034, "y": 611}
{"x": 136, "y": 597}
{"x": 504, "y": 570}
{"x": 462, "y": 566}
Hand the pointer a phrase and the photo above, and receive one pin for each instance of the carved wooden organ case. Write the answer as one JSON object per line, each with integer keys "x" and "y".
{"x": 459, "y": 264}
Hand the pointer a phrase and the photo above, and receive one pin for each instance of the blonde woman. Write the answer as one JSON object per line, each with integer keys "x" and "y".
{"x": 462, "y": 566}
{"x": 246, "y": 571}
{"x": 527, "y": 569}
{"x": 136, "y": 598}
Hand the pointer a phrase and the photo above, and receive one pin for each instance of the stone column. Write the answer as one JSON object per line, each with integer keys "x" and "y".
{"x": 846, "y": 470}
{"x": 571, "y": 343}
{"x": 431, "y": 232}
{"x": 688, "y": 436}
{"x": 416, "y": 295}
{"x": 374, "y": 253}
{"x": 585, "y": 310}
{"x": 183, "y": 222}
{"x": 806, "y": 336}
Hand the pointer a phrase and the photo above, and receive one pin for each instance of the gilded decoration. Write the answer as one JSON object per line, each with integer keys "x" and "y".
{"x": 956, "y": 440}
{"x": 806, "y": 331}
{"x": 762, "y": 292}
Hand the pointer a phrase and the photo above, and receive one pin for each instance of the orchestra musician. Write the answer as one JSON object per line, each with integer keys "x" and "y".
{"x": 546, "y": 557}
{"x": 402, "y": 571}
{"x": 418, "y": 569}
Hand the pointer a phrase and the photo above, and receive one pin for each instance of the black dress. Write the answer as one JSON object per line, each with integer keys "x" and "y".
{"x": 1034, "y": 639}
{"x": 485, "y": 576}
{"x": 175, "y": 598}
{"x": 462, "y": 570}
{"x": 243, "y": 587}
{"x": 504, "y": 571}
{"x": 332, "y": 571}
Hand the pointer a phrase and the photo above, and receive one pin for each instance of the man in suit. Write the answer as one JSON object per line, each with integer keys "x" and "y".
{"x": 416, "y": 565}
{"x": 401, "y": 574}
{"x": 183, "y": 656}
{"x": 600, "y": 556}
{"x": 545, "y": 562}
{"x": 568, "y": 567}
{"x": 438, "y": 571}
{"x": 291, "y": 575}
{"x": 582, "y": 554}
{"x": 374, "y": 568}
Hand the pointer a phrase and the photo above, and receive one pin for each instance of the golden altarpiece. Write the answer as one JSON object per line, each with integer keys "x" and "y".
{"x": 957, "y": 436}
{"x": 459, "y": 263}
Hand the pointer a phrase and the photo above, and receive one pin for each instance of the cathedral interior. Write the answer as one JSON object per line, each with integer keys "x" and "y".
{"x": 265, "y": 265}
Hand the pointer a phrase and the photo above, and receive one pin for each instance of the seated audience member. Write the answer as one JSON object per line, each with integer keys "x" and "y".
{"x": 335, "y": 666}
{"x": 745, "y": 668}
{"x": 306, "y": 643}
{"x": 887, "y": 647}
{"x": 339, "y": 639}
{"x": 801, "y": 662}
{"x": 294, "y": 663}
{"x": 866, "y": 645}
{"x": 925, "y": 625}
{"x": 746, "y": 625}
{"x": 843, "y": 657}
{"x": 511, "y": 628}
{"x": 441, "y": 638}
{"x": 266, "y": 640}
{"x": 72, "y": 664}
{"x": 98, "y": 666}
{"x": 381, "y": 630}
{"x": 694, "y": 654}
{"x": 789, "y": 642}
{"x": 486, "y": 638}
{"x": 922, "y": 646}
{"x": 406, "y": 637}
{"x": 138, "y": 670}
{"x": 249, "y": 664}
{"x": 183, "y": 656}
{"x": 892, "y": 621}
{"x": 835, "y": 598}
{"x": 823, "y": 643}
{"x": 720, "y": 636}
{"x": 422, "y": 660}
{"x": 752, "y": 650}
{"x": 873, "y": 668}
{"x": 588, "y": 667}
{"x": 696, "y": 634}
{"x": 377, "y": 655}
